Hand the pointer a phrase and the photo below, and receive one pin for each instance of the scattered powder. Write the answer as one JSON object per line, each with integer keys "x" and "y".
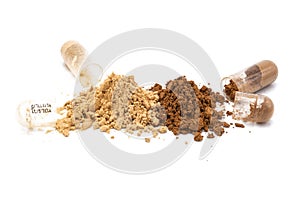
{"x": 239, "y": 125}
{"x": 147, "y": 140}
{"x": 229, "y": 113}
{"x": 226, "y": 125}
{"x": 119, "y": 103}
{"x": 163, "y": 129}
{"x": 66, "y": 124}
{"x": 230, "y": 90}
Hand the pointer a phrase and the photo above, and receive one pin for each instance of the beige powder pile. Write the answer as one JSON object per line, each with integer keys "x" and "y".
{"x": 121, "y": 100}
{"x": 118, "y": 103}
{"x": 78, "y": 113}
{"x": 103, "y": 103}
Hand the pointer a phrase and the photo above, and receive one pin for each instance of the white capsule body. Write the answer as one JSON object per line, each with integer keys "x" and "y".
{"x": 37, "y": 113}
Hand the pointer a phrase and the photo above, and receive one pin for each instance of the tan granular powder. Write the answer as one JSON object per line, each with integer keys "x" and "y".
{"x": 140, "y": 106}
{"x": 120, "y": 101}
{"x": 78, "y": 113}
{"x": 103, "y": 103}
{"x": 134, "y": 108}
{"x": 66, "y": 124}
{"x": 122, "y": 104}
{"x": 84, "y": 109}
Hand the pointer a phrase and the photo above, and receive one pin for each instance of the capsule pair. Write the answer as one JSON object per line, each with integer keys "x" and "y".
{"x": 240, "y": 87}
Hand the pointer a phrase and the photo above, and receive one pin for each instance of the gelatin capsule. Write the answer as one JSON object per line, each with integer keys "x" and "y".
{"x": 252, "y": 107}
{"x": 251, "y": 79}
{"x": 37, "y": 114}
{"x": 74, "y": 55}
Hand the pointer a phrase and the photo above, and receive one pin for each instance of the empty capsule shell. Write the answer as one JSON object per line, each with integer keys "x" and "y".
{"x": 252, "y": 107}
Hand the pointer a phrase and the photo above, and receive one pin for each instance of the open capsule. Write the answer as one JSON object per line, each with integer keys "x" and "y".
{"x": 252, "y": 107}
{"x": 251, "y": 79}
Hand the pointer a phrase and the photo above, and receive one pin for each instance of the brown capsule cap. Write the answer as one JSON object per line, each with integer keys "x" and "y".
{"x": 266, "y": 111}
{"x": 269, "y": 72}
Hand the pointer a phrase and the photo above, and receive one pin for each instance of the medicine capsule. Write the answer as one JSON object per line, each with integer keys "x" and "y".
{"x": 37, "y": 114}
{"x": 252, "y": 107}
{"x": 74, "y": 55}
{"x": 251, "y": 79}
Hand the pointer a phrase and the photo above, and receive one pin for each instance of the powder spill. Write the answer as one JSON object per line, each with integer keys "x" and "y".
{"x": 239, "y": 125}
{"x": 119, "y": 103}
{"x": 230, "y": 90}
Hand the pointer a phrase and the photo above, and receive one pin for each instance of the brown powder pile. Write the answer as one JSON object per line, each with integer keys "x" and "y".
{"x": 189, "y": 109}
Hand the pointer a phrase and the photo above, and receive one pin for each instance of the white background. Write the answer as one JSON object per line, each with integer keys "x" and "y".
{"x": 258, "y": 165}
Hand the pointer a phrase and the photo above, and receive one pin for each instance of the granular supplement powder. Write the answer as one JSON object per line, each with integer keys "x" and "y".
{"x": 141, "y": 102}
{"x": 78, "y": 113}
{"x": 119, "y": 103}
{"x": 103, "y": 104}
{"x": 120, "y": 100}
{"x": 189, "y": 109}
{"x": 67, "y": 123}
{"x": 230, "y": 89}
